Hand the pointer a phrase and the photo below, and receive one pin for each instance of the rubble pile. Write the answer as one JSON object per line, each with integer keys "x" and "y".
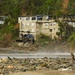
{"x": 11, "y": 65}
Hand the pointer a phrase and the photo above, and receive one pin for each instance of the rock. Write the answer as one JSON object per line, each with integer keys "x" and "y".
{"x": 65, "y": 69}
{"x": 63, "y": 66}
{"x": 1, "y": 67}
{"x": 1, "y": 74}
{"x": 26, "y": 45}
{"x": 30, "y": 64}
{"x": 45, "y": 65}
{"x": 38, "y": 68}
{"x": 20, "y": 44}
{"x": 0, "y": 60}
{"x": 4, "y": 60}
{"x": 10, "y": 67}
{"x": 20, "y": 67}
{"x": 24, "y": 69}
{"x": 9, "y": 58}
{"x": 32, "y": 68}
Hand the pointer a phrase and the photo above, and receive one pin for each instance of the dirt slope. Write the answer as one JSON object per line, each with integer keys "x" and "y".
{"x": 65, "y": 3}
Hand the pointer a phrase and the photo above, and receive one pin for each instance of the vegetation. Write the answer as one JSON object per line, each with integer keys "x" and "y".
{"x": 43, "y": 39}
{"x": 15, "y": 8}
{"x": 71, "y": 41}
{"x": 65, "y": 30}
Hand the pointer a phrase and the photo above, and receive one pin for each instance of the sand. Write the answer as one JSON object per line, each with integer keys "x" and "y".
{"x": 51, "y": 72}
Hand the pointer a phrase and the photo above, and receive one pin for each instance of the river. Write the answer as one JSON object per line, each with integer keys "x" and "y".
{"x": 37, "y": 55}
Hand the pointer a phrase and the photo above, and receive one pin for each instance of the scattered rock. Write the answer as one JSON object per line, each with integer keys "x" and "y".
{"x": 20, "y": 44}
{"x": 10, "y": 67}
{"x": 4, "y": 60}
{"x": 1, "y": 74}
{"x": 1, "y": 66}
{"x": 65, "y": 69}
{"x": 0, "y": 60}
{"x": 30, "y": 64}
{"x": 38, "y": 67}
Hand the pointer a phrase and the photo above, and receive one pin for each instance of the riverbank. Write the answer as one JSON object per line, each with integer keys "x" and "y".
{"x": 8, "y": 66}
{"x": 35, "y": 48}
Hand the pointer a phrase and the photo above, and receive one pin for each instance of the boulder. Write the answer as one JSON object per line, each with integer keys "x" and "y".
{"x": 10, "y": 67}
{"x": 4, "y": 60}
{"x": 1, "y": 66}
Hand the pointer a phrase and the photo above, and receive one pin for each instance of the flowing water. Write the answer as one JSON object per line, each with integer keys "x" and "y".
{"x": 37, "y": 55}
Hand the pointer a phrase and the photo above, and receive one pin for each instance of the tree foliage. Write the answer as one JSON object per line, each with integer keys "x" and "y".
{"x": 65, "y": 29}
{"x": 71, "y": 40}
{"x": 16, "y": 8}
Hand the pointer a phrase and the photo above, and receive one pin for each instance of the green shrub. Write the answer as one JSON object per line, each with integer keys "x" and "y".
{"x": 43, "y": 39}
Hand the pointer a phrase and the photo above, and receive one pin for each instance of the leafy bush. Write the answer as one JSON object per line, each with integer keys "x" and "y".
{"x": 43, "y": 39}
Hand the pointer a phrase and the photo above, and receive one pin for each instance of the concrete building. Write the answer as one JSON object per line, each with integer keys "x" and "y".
{"x": 2, "y": 19}
{"x": 37, "y": 25}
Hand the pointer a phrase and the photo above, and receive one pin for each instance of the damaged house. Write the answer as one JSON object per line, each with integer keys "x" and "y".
{"x": 37, "y": 25}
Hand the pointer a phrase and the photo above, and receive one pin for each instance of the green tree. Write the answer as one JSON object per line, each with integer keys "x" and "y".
{"x": 71, "y": 41}
{"x": 65, "y": 30}
{"x": 51, "y": 7}
{"x": 58, "y": 8}
{"x": 71, "y": 7}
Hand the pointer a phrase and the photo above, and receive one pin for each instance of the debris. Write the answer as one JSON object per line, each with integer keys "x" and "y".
{"x": 32, "y": 64}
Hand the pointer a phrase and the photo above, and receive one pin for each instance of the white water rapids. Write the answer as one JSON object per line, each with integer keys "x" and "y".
{"x": 37, "y": 55}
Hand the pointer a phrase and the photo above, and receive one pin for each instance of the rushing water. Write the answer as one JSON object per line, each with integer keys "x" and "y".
{"x": 37, "y": 55}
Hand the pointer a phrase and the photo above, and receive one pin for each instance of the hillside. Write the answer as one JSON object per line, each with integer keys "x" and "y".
{"x": 65, "y": 5}
{"x": 15, "y": 8}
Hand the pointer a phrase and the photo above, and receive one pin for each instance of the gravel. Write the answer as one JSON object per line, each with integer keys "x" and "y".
{"x": 13, "y": 65}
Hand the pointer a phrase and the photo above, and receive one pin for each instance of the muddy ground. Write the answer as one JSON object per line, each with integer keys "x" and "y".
{"x": 29, "y": 47}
